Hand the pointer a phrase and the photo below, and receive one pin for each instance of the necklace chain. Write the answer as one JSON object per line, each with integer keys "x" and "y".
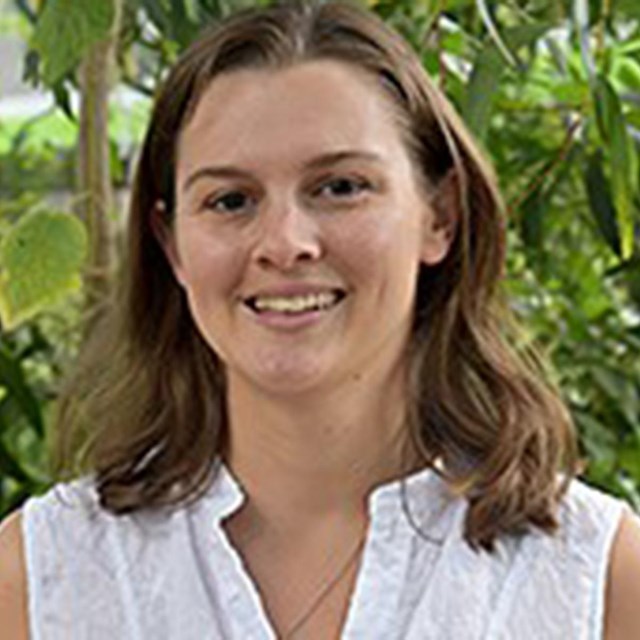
{"x": 326, "y": 589}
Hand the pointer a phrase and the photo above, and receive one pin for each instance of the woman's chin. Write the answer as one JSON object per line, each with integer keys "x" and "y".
{"x": 284, "y": 376}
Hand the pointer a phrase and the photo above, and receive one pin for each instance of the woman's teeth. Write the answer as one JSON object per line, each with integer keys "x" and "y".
{"x": 295, "y": 304}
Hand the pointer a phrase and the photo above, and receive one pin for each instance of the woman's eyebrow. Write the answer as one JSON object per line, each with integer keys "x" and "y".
{"x": 333, "y": 157}
{"x": 222, "y": 171}
{"x": 318, "y": 162}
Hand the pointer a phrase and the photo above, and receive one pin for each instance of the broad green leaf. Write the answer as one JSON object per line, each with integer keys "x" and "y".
{"x": 40, "y": 258}
{"x": 602, "y": 208}
{"x": 483, "y": 85}
{"x": 16, "y": 389}
{"x": 65, "y": 29}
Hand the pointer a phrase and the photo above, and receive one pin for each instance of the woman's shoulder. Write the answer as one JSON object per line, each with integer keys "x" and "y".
{"x": 604, "y": 532}
{"x": 578, "y": 552}
{"x": 67, "y": 516}
{"x": 70, "y": 516}
{"x": 588, "y": 515}
{"x": 13, "y": 580}
{"x": 622, "y": 619}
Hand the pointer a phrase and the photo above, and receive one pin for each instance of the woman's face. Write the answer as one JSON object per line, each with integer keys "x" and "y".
{"x": 300, "y": 227}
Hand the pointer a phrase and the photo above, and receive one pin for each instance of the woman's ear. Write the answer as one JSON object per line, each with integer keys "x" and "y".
{"x": 165, "y": 237}
{"x": 443, "y": 219}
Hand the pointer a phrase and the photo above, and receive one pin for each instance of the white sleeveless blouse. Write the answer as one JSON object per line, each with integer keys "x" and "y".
{"x": 174, "y": 575}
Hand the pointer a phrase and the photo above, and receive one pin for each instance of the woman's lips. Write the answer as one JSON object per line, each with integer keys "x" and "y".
{"x": 293, "y": 311}
{"x": 296, "y": 303}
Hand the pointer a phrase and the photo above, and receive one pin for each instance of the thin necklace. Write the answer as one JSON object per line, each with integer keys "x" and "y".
{"x": 326, "y": 589}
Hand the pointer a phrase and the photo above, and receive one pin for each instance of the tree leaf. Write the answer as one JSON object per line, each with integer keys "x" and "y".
{"x": 598, "y": 440}
{"x": 626, "y": 70}
{"x": 525, "y": 35}
{"x": 157, "y": 13}
{"x": 581, "y": 22}
{"x": 623, "y": 159}
{"x": 65, "y": 29}
{"x": 494, "y": 34}
{"x": 184, "y": 29}
{"x": 26, "y": 10}
{"x": 533, "y": 211}
{"x": 602, "y": 207}
{"x": 483, "y": 85}
{"x": 10, "y": 467}
{"x": 41, "y": 257}
{"x": 13, "y": 380}
{"x": 63, "y": 100}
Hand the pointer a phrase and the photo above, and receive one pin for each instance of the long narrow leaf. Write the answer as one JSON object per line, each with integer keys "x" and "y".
{"x": 481, "y": 90}
{"x": 623, "y": 159}
{"x": 533, "y": 211}
{"x": 26, "y": 10}
{"x": 494, "y": 34}
{"x": 581, "y": 22}
{"x": 600, "y": 202}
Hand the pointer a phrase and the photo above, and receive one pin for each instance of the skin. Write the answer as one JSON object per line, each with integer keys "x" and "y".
{"x": 13, "y": 587}
{"x": 296, "y": 228}
{"x": 296, "y": 180}
{"x": 315, "y": 409}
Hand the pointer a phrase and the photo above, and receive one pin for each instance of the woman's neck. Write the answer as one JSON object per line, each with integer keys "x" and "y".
{"x": 305, "y": 458}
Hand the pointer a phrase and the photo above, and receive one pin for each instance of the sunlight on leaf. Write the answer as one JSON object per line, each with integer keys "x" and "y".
{"x": 64, "y": 31}
{"x": 41, "y": 257}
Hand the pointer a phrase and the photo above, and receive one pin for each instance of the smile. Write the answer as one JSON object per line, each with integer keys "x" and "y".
{"x": 295, "y": 304}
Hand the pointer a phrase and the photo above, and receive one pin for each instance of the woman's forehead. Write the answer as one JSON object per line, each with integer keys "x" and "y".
{"x": 308, "y": 108}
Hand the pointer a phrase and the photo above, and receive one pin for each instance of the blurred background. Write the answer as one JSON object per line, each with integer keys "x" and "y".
{"x": 551, "y": 88}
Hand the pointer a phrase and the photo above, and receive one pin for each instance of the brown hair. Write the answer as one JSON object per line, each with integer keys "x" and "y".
{"x": 145, "y": 409}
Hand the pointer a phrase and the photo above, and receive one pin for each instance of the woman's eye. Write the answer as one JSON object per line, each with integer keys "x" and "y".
{"x": 344, "y": 188}
{"x": 230, "y": 202}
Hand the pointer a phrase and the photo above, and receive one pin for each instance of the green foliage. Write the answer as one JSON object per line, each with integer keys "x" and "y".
{"x": 41, "y": 257}
{"x": 552, "y": 89}
{"x": 64, "y": 31}
{"x": 623, "y": 159}
{"x": 27, "y": 368}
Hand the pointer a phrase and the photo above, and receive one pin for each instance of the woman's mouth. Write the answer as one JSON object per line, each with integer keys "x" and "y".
{"x": 295, "y": 304}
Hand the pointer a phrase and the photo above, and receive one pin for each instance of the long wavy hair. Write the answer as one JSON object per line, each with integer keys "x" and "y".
{"x": 144, "y": 410}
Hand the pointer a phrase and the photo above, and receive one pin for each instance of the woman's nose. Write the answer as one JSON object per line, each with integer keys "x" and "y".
{"x": 287, "y": 237}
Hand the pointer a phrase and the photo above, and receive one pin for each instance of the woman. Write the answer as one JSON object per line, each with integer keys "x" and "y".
{"x": 302, "y": 418}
